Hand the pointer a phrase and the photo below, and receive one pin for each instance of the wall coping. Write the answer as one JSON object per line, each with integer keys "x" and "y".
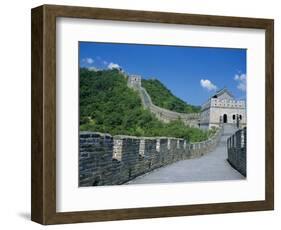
{"x": 121, "y": 137}
{"x": 95, "y": 134}
{"x": 145, "y": 138}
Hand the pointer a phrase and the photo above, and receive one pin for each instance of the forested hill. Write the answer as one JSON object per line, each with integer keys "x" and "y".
{"x": 107, "y": 105}
{"x": 163, "y": 97}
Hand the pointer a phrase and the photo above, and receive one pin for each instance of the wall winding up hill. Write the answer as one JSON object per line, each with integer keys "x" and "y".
{"x": 162, "y": 114}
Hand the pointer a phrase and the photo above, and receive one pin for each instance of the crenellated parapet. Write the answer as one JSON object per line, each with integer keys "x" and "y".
{"x": 237, "y": 150}
{"x": 112, "y": 160}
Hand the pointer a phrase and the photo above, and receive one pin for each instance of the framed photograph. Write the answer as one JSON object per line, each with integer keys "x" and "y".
{"x": 139, "y": 114}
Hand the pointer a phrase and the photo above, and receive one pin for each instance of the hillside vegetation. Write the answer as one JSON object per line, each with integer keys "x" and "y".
{"x": 163, "y": 97}
{"x": 107, "y": 105}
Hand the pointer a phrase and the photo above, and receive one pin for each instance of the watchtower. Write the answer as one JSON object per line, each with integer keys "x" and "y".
{"x": 223, "y": 108}
{"x": 134, "y": 81}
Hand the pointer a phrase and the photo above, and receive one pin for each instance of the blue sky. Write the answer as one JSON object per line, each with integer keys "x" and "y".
{"x": 191, "y": 73}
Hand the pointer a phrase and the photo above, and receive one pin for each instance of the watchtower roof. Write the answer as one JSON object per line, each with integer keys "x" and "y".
{"x": 222, "y": 91}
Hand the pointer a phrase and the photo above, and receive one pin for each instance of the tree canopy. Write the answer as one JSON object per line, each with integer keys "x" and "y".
{"x": 108, "y": 105}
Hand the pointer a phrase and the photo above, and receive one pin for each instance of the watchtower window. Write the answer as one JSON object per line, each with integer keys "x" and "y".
{"x": 233, "y": 116}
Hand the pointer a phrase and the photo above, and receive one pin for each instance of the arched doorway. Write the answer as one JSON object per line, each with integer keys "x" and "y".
{"x": 224, "y": 118}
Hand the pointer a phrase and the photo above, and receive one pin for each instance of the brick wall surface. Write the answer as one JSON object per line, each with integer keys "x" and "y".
{"x": 113, "y": 160}
{"x": 236, "y": 150}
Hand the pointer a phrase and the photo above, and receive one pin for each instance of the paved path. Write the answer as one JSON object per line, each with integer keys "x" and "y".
{"x": 210, "y": 167}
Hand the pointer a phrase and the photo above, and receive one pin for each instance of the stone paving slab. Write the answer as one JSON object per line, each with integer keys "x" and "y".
{"x": 210, "y": 167}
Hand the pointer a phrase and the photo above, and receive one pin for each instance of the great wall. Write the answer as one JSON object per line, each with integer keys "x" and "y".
{"x": 162, "y": 114}
{"x": 110, "y": 160}
{"x": 113, "y": 160}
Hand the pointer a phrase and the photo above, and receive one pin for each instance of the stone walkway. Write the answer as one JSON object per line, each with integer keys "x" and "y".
{"x": 210, "y": 167}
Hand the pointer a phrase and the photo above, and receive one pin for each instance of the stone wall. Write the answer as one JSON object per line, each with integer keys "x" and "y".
{"x": 113, "y": 160}
{"x": 237, "y": 151}
{"x": 166, "y": 115}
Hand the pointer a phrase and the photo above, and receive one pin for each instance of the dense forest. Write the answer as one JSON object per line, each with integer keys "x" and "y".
{"x": 107, "y": 105}
{"x": 162, "y": 97}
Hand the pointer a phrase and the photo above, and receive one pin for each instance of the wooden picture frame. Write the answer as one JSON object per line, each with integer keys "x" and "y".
{"x": 43, "y": 208}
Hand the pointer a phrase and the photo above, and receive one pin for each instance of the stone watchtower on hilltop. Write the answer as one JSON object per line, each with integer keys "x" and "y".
{"x": 134, "y": 81}
{"x": 223, "y": 108}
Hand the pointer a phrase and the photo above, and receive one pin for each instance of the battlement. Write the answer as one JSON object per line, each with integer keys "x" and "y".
{"x": 237, "y": 151}
{"x": 226, "y": 103}
{"x": 112, "y": 160}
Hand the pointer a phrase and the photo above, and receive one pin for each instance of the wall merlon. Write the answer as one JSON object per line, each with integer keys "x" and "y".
{"x": 108, "y": 160}
{"x": 237, "y": 151}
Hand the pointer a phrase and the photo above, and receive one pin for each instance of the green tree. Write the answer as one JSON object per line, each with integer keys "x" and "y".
{"x": 107, "y": 105}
